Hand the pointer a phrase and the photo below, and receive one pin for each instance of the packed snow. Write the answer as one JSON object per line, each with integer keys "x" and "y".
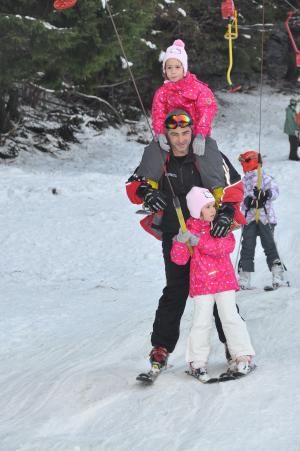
{"x": 80, "y": 283}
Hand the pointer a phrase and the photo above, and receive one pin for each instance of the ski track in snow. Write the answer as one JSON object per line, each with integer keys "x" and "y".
{"x": 80, "y": 282}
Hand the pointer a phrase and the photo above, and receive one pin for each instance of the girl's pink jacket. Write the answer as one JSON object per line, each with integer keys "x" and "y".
{"x": 188, "y": 94}
{"x": 211, "y": 268}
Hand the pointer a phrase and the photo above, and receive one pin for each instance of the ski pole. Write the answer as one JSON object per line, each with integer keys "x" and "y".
{"x": 175, "y": 199}
{"x": 238, "y": 251}
{"x": 257, "y": 212}
{"x": 239, "y": 246}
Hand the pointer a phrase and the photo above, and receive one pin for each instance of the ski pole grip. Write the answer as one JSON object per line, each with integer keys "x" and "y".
{"x": 181, "y": 220}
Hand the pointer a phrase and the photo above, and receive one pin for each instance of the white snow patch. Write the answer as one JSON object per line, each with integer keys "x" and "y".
{"x": 181, "y": 11}
{"x": 47, "y": 25}
{"x": 125, "y": 64}
{"x": 149, "y": 44}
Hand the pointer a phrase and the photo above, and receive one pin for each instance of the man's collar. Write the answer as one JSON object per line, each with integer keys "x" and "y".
{"x": 188, "y": 157}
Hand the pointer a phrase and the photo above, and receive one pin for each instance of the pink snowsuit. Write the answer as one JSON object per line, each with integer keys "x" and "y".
{"x": 188, "y": 94}
{"x": 211, "y": 268}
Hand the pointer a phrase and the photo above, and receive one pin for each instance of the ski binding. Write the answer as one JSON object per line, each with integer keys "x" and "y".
{"x": 150, "y": 376}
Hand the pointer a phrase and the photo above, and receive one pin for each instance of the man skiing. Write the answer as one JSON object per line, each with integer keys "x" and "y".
{"x": 160, "y": 176}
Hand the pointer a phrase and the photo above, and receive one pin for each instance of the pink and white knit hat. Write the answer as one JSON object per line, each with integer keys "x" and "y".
{"x": 196, "y": 199}
{"x": 176, "y": 50}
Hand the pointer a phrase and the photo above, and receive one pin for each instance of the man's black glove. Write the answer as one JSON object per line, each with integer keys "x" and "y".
{"x": 154, "y": 199}
{"x": 249, "y": 202}
{"x": 261, "y": 197}
{"x": 223, "y": 220}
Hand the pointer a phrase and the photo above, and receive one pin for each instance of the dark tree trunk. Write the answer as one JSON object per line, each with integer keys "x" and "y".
{"x": 4, "y": 115}
{"x": 12, "y": 105}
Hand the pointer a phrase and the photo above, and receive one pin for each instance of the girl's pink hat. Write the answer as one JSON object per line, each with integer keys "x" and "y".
{"x": 196, "y": 199}
{"x": 176, "y": 50}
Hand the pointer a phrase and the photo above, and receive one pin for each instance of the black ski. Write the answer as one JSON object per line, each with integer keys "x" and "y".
{"x": 224, "y": 377}
{"x": 228, "y": 376}
{"x": 231, "y": 375}
{"x": 148, "y": 378}
{"x": 270, "y": 288}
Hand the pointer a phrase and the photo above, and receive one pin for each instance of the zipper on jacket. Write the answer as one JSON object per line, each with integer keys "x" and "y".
{"x": 181, "y": 174}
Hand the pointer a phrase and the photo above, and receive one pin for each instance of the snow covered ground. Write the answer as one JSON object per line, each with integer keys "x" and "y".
{"x": 80, "y": 281}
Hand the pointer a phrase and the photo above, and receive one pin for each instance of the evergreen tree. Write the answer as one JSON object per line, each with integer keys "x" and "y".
{"x": 80, "y": 47}
{"x": 77, "y": 46}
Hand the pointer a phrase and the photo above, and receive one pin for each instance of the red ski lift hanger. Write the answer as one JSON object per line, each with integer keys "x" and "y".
{"x": 64, "y": 4}
{"x": 296, "y": 50}
{"x": 230, "y": 13}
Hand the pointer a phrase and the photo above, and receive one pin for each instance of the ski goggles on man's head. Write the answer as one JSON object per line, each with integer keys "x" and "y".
{"x": 178, "y": 120}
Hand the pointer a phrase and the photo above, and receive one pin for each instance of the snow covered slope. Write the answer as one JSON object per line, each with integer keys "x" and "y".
{"x": 79, "y": 285}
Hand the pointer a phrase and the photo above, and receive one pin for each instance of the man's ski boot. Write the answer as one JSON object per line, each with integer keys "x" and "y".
{"x": 158, "y": 359}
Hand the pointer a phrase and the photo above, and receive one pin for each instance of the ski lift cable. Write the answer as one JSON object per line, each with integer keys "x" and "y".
{"x": 261, "y": 74}
{"x": 176, "y": 202}
{"x": 128, "y": 65}
{"x": 257, "y": 213}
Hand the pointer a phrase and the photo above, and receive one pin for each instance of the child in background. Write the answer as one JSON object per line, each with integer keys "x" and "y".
{"x": 262, "y": 200}
{"x": 182, "y": 90}
{"x": 212, "y": 279}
